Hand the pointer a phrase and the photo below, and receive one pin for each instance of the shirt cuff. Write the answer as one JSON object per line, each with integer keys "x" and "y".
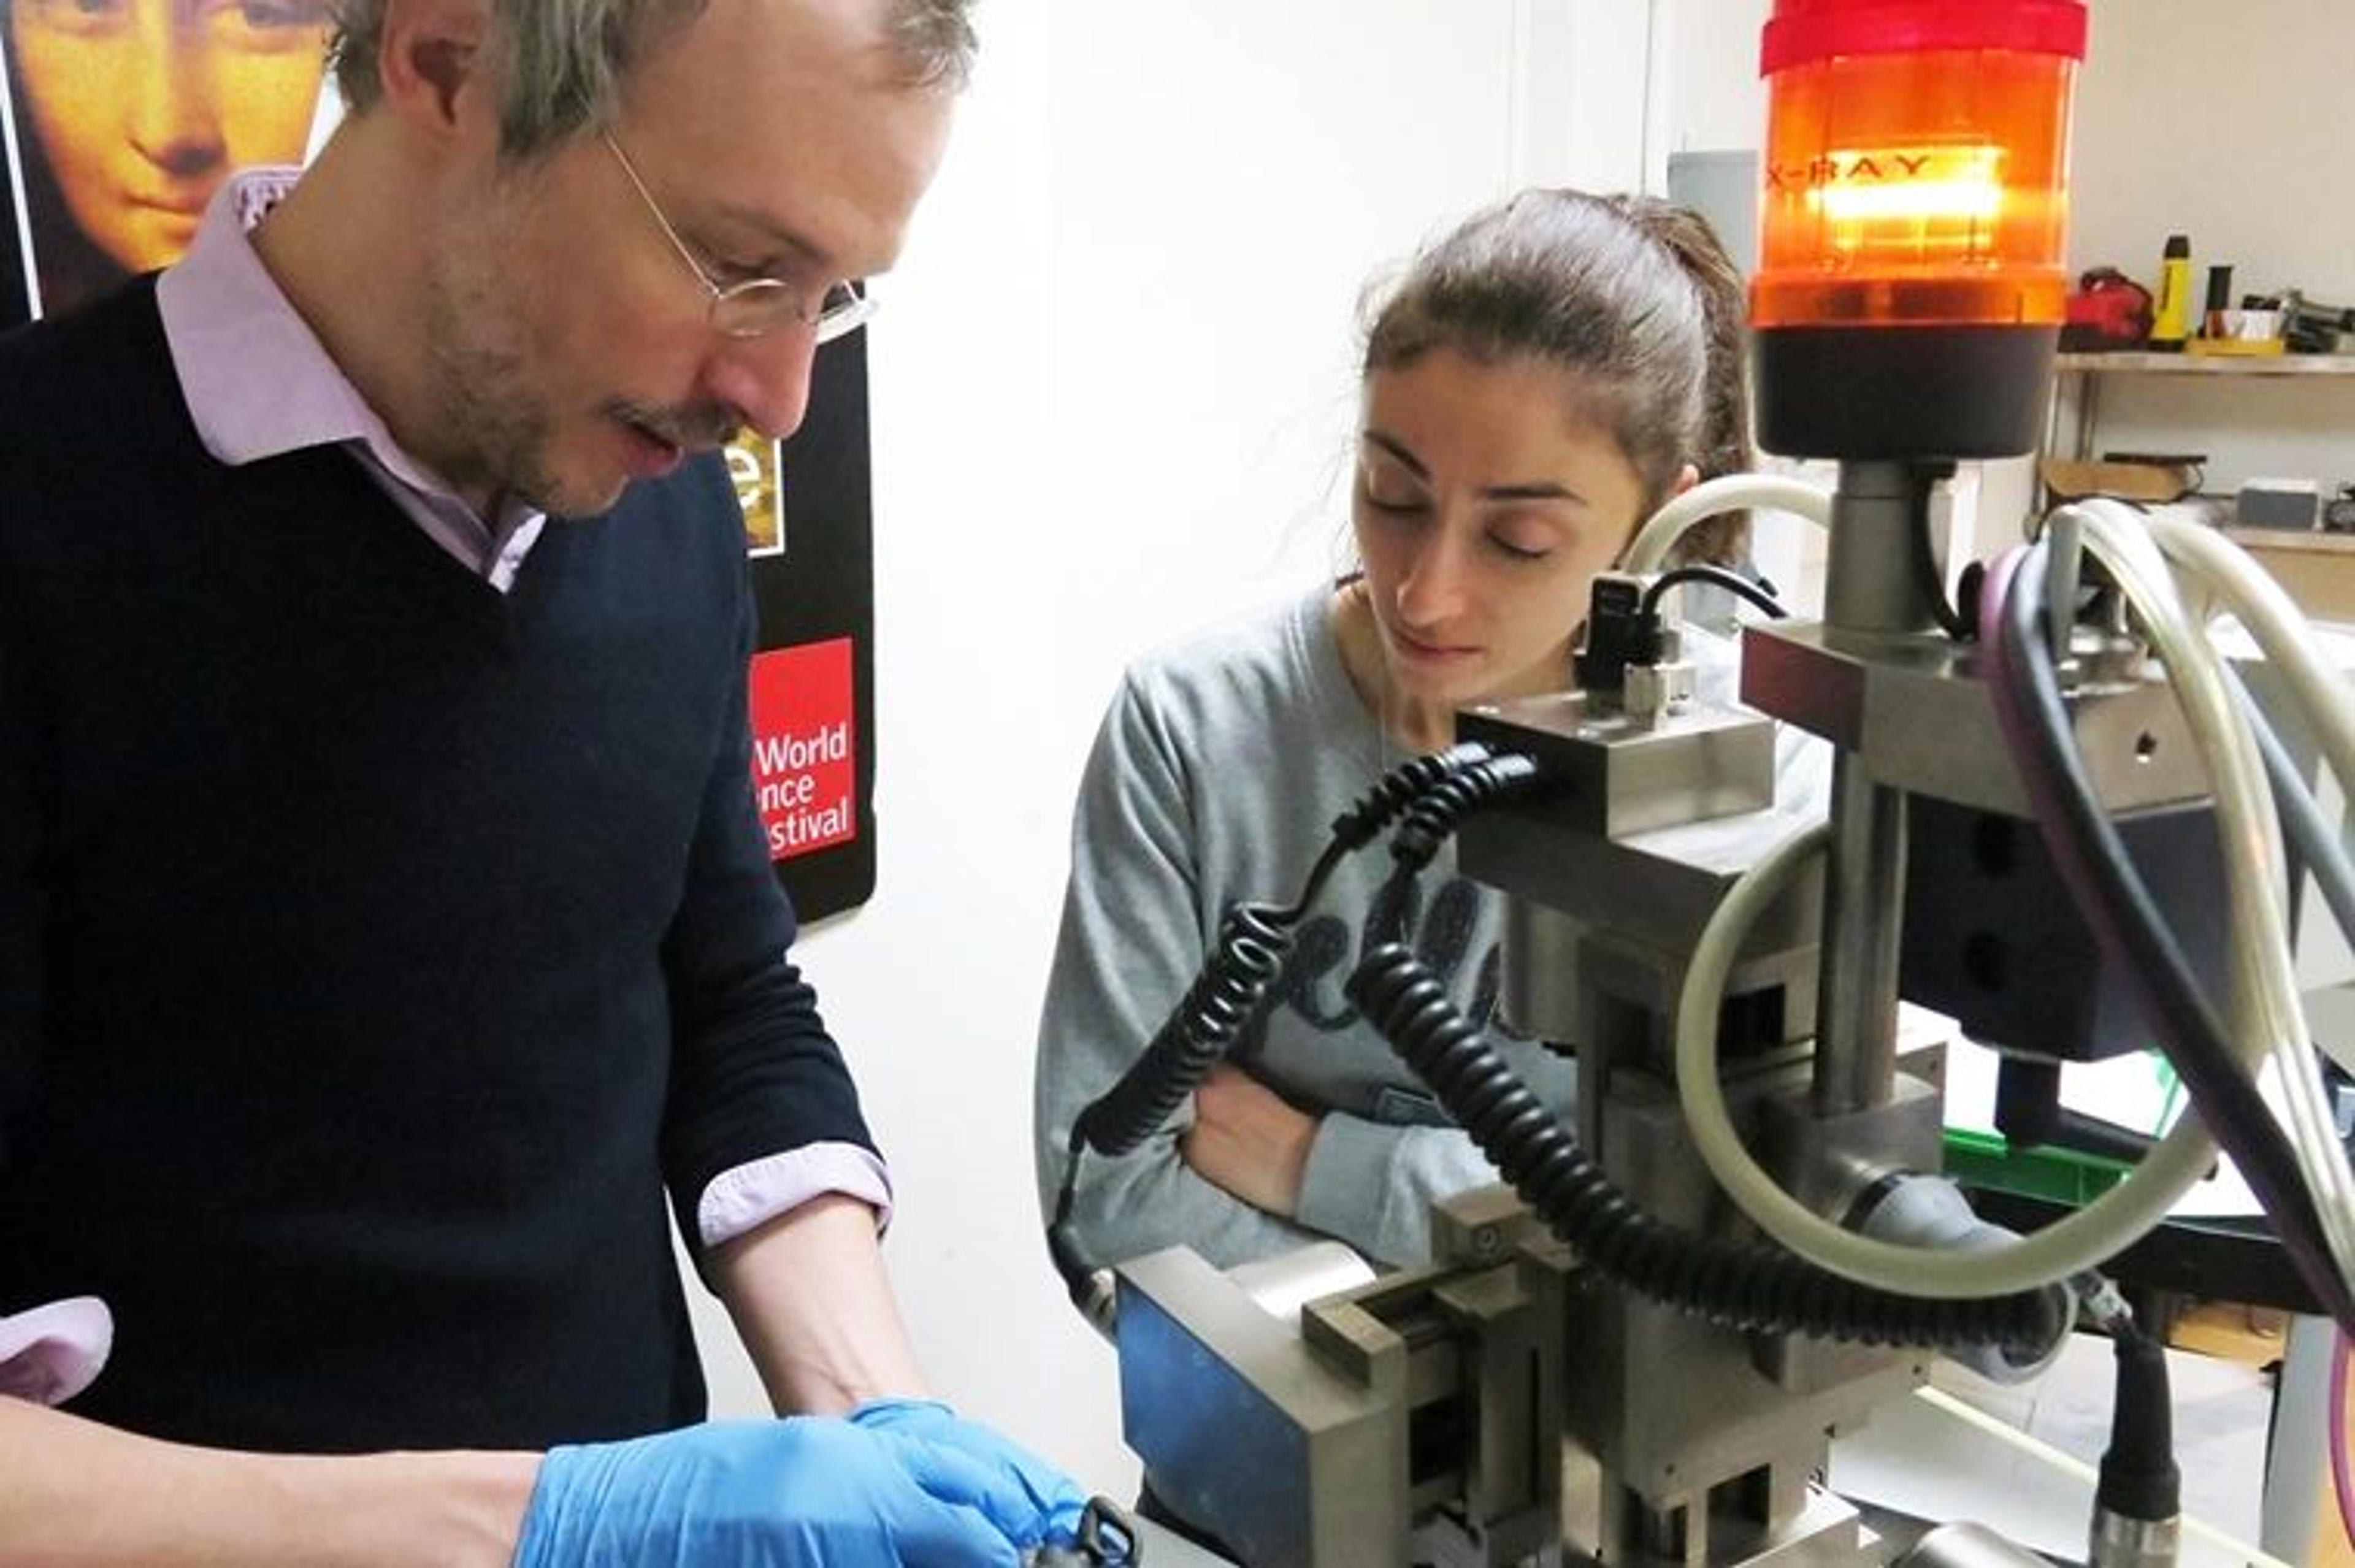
{"x": 750, "y": 1195}
{"x": 51, "y": 1353}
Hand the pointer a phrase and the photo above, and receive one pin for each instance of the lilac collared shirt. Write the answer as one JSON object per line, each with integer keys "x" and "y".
{"x": 257, "y": 383}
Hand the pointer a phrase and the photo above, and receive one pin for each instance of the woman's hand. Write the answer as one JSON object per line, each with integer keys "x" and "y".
{"x": 1247, "y": 1140}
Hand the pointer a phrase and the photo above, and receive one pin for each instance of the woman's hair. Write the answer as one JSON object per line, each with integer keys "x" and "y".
{"x": 564, "y": 63}
{"x": 1634, "y": 296}
{"x": 1725, "y": 386}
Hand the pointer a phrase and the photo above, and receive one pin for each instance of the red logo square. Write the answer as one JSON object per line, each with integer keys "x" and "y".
{"x": 805, "y": 748}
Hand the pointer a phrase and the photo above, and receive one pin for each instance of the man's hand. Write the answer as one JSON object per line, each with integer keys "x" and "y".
{"x": 801, "y": 1493}
{"x": 1050, "y": 1495}
{"x": 1248, "y": 1140}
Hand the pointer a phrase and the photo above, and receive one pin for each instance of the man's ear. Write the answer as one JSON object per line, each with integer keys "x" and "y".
{"x": 431, "y": 53}
{"x": 1687, "y": 477}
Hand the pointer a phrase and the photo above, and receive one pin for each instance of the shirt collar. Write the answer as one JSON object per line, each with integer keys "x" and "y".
{"x": 257, "y": 380}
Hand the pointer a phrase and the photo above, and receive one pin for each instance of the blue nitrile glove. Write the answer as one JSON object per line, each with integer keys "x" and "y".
{"x": 771, "y": 1494}
{"x": 1055, "y": 1501}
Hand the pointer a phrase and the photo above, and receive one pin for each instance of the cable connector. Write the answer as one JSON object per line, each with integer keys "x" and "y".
{"x": 2137, "y": 1505}
{"x": 1657, "y": 690}
{"x": 2099, "y": 1302}
{"x": 1622, "y": 632}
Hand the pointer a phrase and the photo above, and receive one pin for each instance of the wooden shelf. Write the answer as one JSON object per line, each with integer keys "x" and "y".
{"x": 2305, "y": 541}
{"x": 2078, "y": 379}
{"x": 2148, "y": 364}
{"x": 2316, "y": 569}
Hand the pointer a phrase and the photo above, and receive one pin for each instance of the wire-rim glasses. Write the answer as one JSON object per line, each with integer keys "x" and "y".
{"x": 756, "y": 306}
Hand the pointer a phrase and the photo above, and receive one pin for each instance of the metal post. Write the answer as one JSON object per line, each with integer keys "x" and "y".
{"x": 1864, "y": 887}
{"x": 1873, "y": 586}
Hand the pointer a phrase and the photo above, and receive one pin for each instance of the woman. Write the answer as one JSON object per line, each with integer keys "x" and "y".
{"x": 1540, "y": 381}
{"x": 137, "y": 110}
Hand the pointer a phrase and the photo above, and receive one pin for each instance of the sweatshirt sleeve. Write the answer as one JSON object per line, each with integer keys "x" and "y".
{"x": 1131, "y": 943}
{"x": 1372, "y": 1185}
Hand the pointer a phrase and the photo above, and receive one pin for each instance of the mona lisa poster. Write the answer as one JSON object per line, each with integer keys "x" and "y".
{"x": 127, "y": 114}
{"x": 118, "y": 119}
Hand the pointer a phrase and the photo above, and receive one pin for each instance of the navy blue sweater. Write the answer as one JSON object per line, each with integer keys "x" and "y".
{"x": 374, "y": 947}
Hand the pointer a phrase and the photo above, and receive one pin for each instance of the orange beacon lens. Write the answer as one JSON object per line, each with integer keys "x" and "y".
{"x": 1911, "y": 268}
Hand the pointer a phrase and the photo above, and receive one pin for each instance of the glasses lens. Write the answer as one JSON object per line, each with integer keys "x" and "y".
{"x": 845, "y": 310}
{"x": 762, "y": 305}
{"x": 753, "y": 308}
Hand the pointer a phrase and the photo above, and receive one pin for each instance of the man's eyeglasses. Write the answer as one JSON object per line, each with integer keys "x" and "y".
{"x": 757, "y": 307}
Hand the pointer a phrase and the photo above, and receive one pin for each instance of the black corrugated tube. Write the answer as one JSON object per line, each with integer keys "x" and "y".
{"x": 1746, "y": 1286}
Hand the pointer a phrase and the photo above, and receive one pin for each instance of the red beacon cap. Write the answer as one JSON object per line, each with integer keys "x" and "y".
{"x": 1804, "y": 30}
{"x": 1916, "y": 181}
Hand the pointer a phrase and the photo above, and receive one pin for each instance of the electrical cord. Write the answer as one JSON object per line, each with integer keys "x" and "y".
{"x": 2140, "y": 1485}
{"x": 1733, "y": 581}
{"x": 2342, "y": 1487}
{"x": 1394, "y": 794}
{"x": 1739, "y": 1286}
{"x": 1927, "y": 581}
{"x": 2117, "y": 906}
{"x": 1743, "y": 1286}
{"x": 2319, "y": 692}
{"x": 2273, "y": 620}
{"x": 2310, "y": 833}
{"x": 2053, "y": 1254}
{"x": 1727, "y": 493}
{"x": 2268, "y": 1017}
{"x": 1435, "y": 813}
{"x": 1737, "y": 492}
{"x": 1254, "y": 939}
{"x": 1938, "y": 1399}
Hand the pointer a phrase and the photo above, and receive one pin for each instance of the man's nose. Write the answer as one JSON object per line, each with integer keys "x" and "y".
{"x": 767, "y": 378}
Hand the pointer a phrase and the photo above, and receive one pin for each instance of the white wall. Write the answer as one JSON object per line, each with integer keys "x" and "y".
{"x": 1113, "y": 389}
{"x": 1705, "y": 94}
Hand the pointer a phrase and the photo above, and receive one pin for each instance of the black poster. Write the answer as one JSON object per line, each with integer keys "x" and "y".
{"x": 809, "y": 516}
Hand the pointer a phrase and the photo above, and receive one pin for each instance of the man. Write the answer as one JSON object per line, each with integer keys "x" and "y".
{"x": 383, "y": 919}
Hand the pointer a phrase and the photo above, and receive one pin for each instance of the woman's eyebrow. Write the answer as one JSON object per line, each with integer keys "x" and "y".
{"x": 1531, "y": 490}
{"x": 1536, "y": 490}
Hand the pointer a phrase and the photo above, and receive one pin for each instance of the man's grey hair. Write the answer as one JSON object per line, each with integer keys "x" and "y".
{"x": 564, "y": 64}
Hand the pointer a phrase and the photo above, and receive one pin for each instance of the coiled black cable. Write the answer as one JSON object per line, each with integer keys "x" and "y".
{"x": 1402, "y": 790}
{"x": 1749, "y": 1287}
{"x": 1254, "y": 939}
{"x": 1436, "y": 812}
